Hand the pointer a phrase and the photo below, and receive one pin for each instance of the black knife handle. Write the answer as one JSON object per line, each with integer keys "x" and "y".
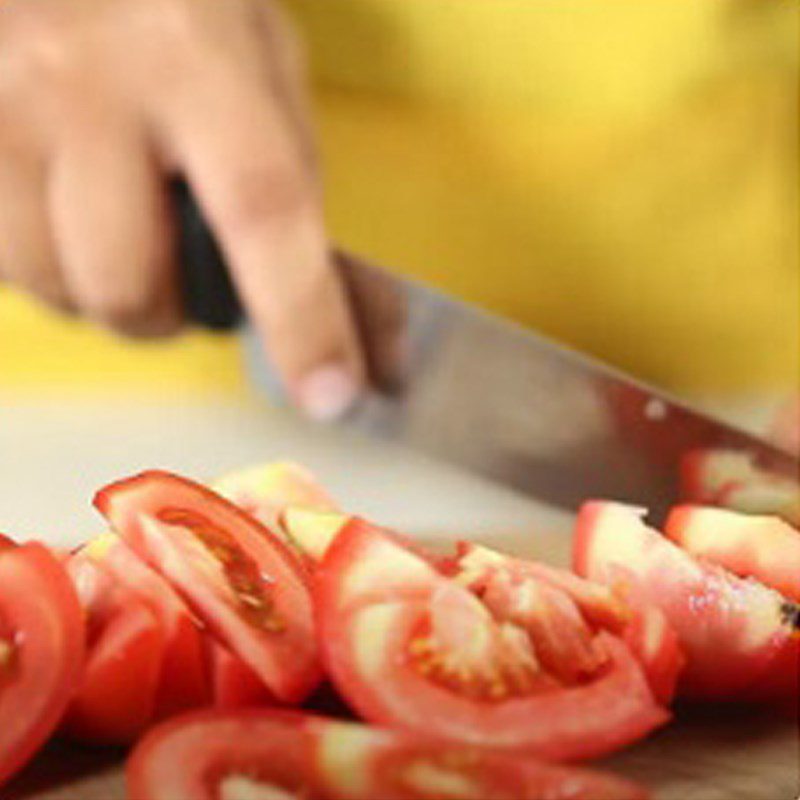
{"x": 209, "y": 297}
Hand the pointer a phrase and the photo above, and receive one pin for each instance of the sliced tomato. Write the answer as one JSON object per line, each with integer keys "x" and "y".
{"x": 267, "y": 490}
{"x": 739, "y": 636}
{"x": 519, "y": 671}
{"x": 115, "y": 698}
{"x": 504, "y": 583}
{"x": 183, "y": 681}
{"x": 772, "y": 497}
{"x": 211, "y": 755}
{"x": 362, "y": 763}
{"x": 41, "y": 650}
{"x": 286, "y": 755}
{"x": 731, "y": 479}
{"x": 751, "y": 546}
{"x": 241, "y": 581}
{"x": 233, "y": 684}
{"x": 6, "y": 542}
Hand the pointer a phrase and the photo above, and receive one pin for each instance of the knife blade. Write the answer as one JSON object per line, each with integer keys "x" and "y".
{"x": 502, "y": 401}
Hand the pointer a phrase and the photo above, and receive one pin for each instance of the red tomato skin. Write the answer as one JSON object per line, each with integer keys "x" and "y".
{"x": 183, "y": 682}
{"x": 629, "y": 710}
{"x": 754, "y": 674}
{"x": 288, "y": 660}
{"x": 6, "y": 542}
{"x": 781, "y": 682}
{"x": 114, "y": 700}
{"x": 50, "y": 655}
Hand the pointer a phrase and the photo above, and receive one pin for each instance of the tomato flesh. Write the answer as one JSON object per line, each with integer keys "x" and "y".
{"x": 411, "y": 648}
{"x": 734, "y": 632}
{"x": 242, "y": 573}
{"x": 232, "y": 683}
{"x": 41, "y": 650}
{"x": 523, "y": 591}
{"x": 268, "y": 490}
{"x": 761, "y": 547}
{"x": 248, "y": 589}
{"x": 286, "y": 755}
{"x": 362, "y": 763}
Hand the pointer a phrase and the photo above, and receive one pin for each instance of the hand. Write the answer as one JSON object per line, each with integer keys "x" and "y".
{"x": 101, "y": 101}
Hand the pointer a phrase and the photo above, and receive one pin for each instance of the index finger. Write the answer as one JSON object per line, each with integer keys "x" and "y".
{"x": 236, "y": 148}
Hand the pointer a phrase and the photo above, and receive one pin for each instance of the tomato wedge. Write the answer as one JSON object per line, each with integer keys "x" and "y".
{"x": 751, "y": 546}
{"x": 284, "y": 755}
{"x": 41, "y": 650}
{"x": 115, "y": 698}
{"x": 739, "y": 636}
{"x": 521, "y": 671}
{"x": 241, "y": 581}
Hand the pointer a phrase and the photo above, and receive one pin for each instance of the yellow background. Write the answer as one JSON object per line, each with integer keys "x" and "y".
{"x": 621, "y": 174}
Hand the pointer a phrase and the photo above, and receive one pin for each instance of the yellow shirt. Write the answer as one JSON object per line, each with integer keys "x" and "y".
{"x": 619, "y": 174}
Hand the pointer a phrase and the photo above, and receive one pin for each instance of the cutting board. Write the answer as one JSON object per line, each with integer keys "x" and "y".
{"x": 706, "y": 754}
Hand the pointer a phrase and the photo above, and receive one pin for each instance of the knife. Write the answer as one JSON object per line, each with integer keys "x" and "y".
{"x": 488, "y": 395}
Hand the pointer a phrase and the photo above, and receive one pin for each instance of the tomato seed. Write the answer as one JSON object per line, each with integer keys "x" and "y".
{"x": 8, "y": 652}
{"x": 488, "y": 682}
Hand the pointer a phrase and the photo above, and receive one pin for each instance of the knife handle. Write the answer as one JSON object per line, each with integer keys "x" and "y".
{"x": 209, "y": 297}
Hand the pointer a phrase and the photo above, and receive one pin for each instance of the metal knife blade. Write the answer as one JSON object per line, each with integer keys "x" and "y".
{"x": 512, "y": 405}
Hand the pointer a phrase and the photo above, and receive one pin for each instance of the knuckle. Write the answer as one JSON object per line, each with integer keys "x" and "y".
{"x": 122, "y": 311}
{"x": 174, "y": 23}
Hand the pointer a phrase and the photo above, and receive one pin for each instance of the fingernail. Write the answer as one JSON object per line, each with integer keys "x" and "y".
{"x": 327, "y": 393}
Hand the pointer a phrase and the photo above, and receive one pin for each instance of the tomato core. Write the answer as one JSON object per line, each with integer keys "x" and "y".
{"x": 245, "y": 578}
{"x": 493, "y": 679}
